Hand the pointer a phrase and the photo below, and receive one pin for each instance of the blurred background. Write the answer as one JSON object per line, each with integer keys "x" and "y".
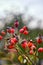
{"x": 31, "y": 11}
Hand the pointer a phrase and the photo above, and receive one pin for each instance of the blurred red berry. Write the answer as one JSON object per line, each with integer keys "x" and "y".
{"x": 10, "y": 46}
{"x": 25, "y": 28}
{"x": 3, "y": 33}
{"x": 31, "y": 52}
{"x": 14, "y": 40}
{"x": 25, "y": 32}
{"x": 12, "y": 30}
{"x": 39, "y": 40}
{"x": 24, "y": 44}
{"x": 16, "y": 23}
{"x": 30, "y": 44}
{"x": 21, "y": 30}
{"x": 1, "y": 37}
{"x": 40, "y": 50}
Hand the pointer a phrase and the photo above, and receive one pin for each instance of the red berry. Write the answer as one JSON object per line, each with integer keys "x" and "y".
{"x": 39, "y": 40}
{"x": 25, "y": 28}
{"x": 24, "y": 45}
{"x": 10, "y": 47}
{"x": 30, "y": 44}
{"x": 12, "y": 30}
{"x": 12, "y": 41}
{"x": 16, "y": 23}
{"x": 3, "y": 33}
{"x": 40, "y": 50}
{"x": 31, "y": 52}
{"x": 1, "y": 37}
{"x": 25, "y": 32}
{"x": 15, "y": 40}
{"x": 21, "y": 30}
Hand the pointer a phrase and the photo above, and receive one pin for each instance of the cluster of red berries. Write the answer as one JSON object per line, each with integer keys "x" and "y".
{"x": 24, "y": 30}
{"x": 32, "y": 47}
{"x": 13, "y": 40}
{"x": 25, "y": 44}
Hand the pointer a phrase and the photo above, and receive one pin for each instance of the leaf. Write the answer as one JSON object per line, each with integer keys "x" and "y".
{"x": 20, "y": 58}
{"x": 21, "y": 49}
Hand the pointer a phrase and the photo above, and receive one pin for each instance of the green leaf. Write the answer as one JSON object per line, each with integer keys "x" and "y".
{"x": 20, "y": 58}
{"x": 21, "y": 49}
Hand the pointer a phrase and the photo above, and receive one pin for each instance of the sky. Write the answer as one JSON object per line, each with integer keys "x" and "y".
{"x": 28, "y": 7}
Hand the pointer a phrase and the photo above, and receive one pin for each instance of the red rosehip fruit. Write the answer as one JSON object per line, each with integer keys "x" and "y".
{"x": 12, "y": 41}
{"x": 25, "y": 32}
{"x": 3, "y": 33}
{"x": 24, "y": 45}
{"x": 39, "y": 40}
{"x": 12, "y": 30}
{"x": 15, "y": 40}
{"x": 16, "y": 23}
{"x": 1, "y": 37}
{"x": 10, "y": 47}
{"x": 21, "y": 30}
{"x": 30, "y": 44}
{"x": 25, "y": 28}
{"x": 40, "y": 50}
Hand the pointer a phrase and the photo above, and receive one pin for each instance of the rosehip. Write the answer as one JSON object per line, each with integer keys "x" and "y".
{"x": 25, "y": 28}
{"x": 25, "y": 32}
{"x": 16, "y": 23}
{"x": 15, "y": 40}
{"x": 1, "y": 37}
{"x": 30, "y": 44}
{"x": 21, "y": 30}
{"x": 12, "y": 30}
{"x": 12, "y": 41}
{"x": 3, "y": 33}
{"x": 10, "y": 46}
{"x": 40, "y": 50}
{"x": 24, "y": 45}
{"x": 39, "y": 40}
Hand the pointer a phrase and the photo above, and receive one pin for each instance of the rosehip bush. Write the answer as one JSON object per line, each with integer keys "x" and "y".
{"x": 18, "y": 42}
